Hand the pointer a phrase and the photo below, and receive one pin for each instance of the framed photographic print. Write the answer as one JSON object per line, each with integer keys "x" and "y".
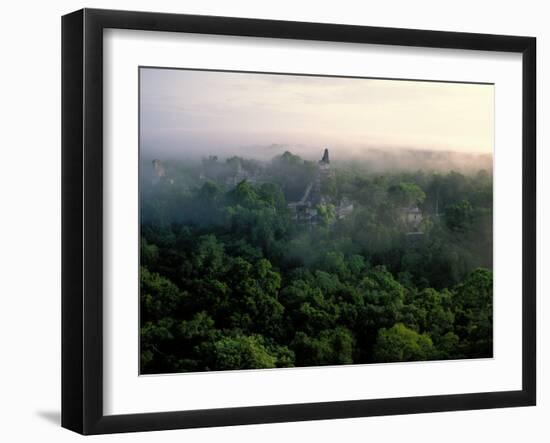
{"x": 269, "y": 221}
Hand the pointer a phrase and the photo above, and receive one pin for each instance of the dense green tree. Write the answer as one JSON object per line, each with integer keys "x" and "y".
{"x": 242, "y": 352}
{"x": 406, "y": 194}
{"x": 474, "y": 314}
{"x": 159, "y": 296}
{"x": 459, "y": 217}
{"x": 253, "y": 303}
{"x": 331, "y": 346}
{"x": 400, "y": 343}
{"x": 383, "y": 297}
{"x": 327, "y": 213}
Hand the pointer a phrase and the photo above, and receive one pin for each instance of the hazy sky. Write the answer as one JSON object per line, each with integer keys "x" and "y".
{"x": 188, "y": 113}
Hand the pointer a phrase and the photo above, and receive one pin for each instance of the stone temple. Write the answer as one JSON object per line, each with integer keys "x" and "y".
{"x": 305, "y": 210}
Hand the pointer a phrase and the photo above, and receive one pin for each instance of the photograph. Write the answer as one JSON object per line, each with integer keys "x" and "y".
{"x": 291, "y": 220}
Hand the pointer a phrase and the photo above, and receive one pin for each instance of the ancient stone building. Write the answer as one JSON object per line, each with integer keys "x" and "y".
{"x": 159, "y": 173}
{"x": 305, "y": 210}
{"x": 412, "y": 217}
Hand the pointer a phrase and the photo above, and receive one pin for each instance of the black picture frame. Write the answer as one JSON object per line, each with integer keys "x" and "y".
{"x": 82, "y": 218}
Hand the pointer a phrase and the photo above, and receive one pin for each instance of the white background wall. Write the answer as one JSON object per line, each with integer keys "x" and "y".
{"x": 30, "y": 219}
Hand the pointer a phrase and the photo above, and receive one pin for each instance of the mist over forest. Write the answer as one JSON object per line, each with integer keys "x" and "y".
{"x": 369, "y": 159}
{"x": 249, "y": 262}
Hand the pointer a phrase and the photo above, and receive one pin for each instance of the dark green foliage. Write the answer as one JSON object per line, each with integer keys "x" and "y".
{"x": 159, "y": 296}
{"x": 406, "y": 194}
{"x": 331, "y": 347}
{"x": 230, "y": 281}
{"x": 241, "y": 352}
{"x": 400, "y": 343}
{"x": 474, "y": 314}
{"x": 459, "y": 217}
